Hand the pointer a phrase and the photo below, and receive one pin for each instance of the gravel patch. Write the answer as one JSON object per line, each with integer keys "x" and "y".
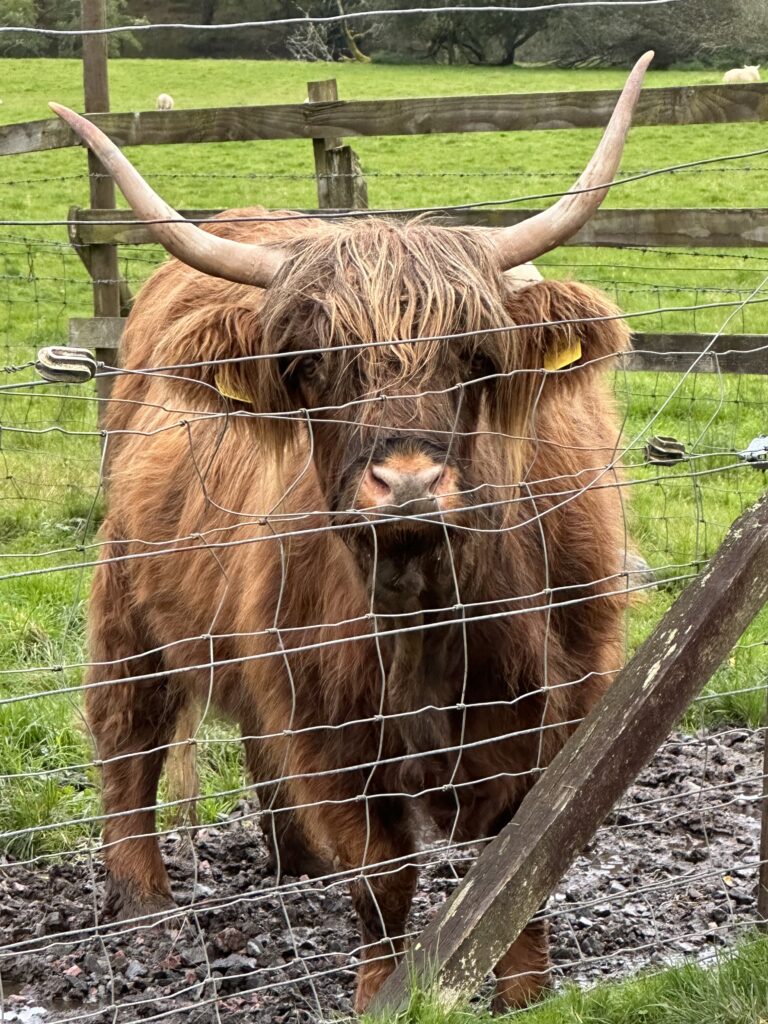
{"x": 672, "y": 874}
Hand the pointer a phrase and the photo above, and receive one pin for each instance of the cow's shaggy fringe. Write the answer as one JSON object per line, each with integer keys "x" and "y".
{"x": 351, "y": 282}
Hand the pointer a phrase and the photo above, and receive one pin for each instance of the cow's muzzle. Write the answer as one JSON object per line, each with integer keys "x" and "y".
{"x": 408, "y": 484}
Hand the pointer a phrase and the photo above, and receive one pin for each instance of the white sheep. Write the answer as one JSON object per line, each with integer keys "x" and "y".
{"x": 749, "y": 73}
{"x": 164, "y": 101}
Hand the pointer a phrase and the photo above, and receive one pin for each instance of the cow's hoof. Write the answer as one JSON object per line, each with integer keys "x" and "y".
{"x": 369, "y": 981}
{"x": 517, "y": 993}
{"x": 296, "y": 863}
{"x": 124, "y": 901}
{"x": 291, "y": 854}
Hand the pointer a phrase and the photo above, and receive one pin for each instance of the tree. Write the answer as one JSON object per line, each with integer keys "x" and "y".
{"x": 15, "y": 13}
{"x": 58, "y": 14}
{"x": 722, "y": 33}
{"x": 328, "y": 40}
{"x": 463, "y": 37}
{"x": 208, "y": 11}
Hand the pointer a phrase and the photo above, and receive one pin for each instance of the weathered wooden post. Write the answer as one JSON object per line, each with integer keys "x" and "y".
{"x": 762, "y": 884}
{"x": 101, "y": 260}
{"x": 340, "y": 181}
{"x": 520, "y": 868}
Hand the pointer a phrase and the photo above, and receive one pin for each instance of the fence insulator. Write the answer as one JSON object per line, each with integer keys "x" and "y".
{"x": 664, "y": 451}
{"x": 756, "y": 452}
{"x": 62, "y": 365}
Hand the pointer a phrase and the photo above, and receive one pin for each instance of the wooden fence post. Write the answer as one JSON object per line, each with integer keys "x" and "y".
{"x": 762, "y": 883}
{"x": 518, "y": 870}
{"x": 340, "y": 181}
{"x": 101, "y": 260}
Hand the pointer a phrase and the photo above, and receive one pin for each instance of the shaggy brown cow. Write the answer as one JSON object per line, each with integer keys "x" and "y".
{"x": 411, "y": 592}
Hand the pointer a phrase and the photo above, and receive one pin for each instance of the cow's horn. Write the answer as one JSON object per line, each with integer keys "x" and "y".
{"x": 552, "y": 227}
{"x": 221, "y": 257}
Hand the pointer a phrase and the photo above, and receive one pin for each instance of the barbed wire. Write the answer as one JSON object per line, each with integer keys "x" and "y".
{"x": 568, "y": 174}
{"x": 410, "y": 210}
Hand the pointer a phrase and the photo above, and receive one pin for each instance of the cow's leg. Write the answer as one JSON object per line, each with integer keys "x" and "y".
{"x": 289, "y": 849}
{"x": 137, "y": 723}
{"x": 361, "y": 834}
{"x": 128, "y": 721}
{"x": 382, "y": 898}
{"x": 522, "y": 974}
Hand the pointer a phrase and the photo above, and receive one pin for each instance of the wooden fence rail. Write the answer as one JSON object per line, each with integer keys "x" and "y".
{"x": 326, "y": 120}
{"x": 673, "y": 353}
{"x": 687, "y": 228}
{"x": 521, "y": 867}
{"x": 546, "y": 111}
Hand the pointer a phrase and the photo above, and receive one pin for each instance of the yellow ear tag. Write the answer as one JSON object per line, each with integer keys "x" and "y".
{"x": 228, "y": 392}
{"x": 563, "y": 357}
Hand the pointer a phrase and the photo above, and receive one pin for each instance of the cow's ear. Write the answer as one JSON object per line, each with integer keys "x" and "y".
{"x": 563, "y": 335}
{"x": 568, "y": 329}
{"x": 255, "y": 385}
{"x": 222, "y": 345}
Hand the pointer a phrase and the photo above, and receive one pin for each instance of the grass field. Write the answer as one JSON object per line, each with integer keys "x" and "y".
{"x": 732, "y": 991}
{"x": 49, "y": 493}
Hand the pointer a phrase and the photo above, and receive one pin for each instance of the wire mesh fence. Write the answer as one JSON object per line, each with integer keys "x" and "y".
{"x": 262, "y": 927}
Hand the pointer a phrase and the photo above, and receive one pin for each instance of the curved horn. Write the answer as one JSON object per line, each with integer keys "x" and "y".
{"x": 552, "y": 227}
{"x": 243, "y": 262}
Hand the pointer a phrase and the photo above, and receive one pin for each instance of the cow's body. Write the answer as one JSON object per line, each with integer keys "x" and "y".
{"x": 392, "y": 553}
{"x": 520, "y": 595}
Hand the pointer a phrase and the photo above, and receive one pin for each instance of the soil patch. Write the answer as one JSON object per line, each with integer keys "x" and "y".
{"x": 672, "y": 874}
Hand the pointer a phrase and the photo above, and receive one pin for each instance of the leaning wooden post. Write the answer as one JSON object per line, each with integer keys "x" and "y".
{"x": 521, "y": 867}
{"x": 340, "y": 181}
{"x": 102, "y": 259}
{"x": 762, "y": 885}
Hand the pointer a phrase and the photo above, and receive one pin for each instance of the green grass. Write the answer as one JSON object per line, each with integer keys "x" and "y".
{"x": 48, "y": 480}
{"x": 734, "y": 991}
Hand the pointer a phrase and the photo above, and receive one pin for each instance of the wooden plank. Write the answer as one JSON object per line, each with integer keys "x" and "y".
{"x": 102, "y": 332}
{"x": 705, "y": 228}
{"x": 762, "y": 881}
{"x": 668, "y": 228}
{"x": 675, "y": 353}
{"x": 698, "y": 104}
{"x": 92, "y": 227}
{"x": 668, "y": 353}
{"x": 520, "y": 868}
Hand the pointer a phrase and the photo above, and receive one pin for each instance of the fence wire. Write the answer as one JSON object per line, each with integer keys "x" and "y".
{"x": 671, "y": 874}
{"x": 331, "y": 19}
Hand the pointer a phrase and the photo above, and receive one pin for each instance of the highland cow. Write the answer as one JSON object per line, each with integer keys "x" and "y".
{"x": 355, "y": 505}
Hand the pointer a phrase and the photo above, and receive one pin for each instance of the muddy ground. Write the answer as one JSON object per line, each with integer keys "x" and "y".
{"x": 670, "y": 875}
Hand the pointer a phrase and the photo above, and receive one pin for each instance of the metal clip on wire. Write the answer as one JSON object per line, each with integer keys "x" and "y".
{"x": 756, "y": 453}
{"x": 62, "y": 365}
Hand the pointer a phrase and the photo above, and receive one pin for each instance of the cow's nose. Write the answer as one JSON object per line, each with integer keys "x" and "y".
{"x": 393, "y": 486}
